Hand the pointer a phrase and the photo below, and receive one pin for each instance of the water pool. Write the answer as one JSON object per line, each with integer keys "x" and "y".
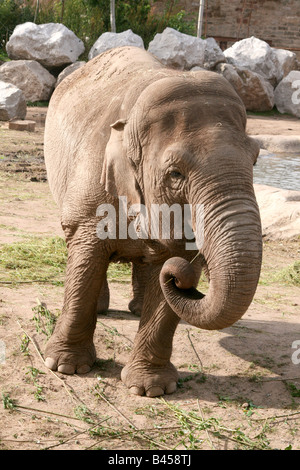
{"x": 278, "y": 170}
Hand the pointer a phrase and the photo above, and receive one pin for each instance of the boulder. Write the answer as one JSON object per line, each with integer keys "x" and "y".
{"x": 255, "y": 91}
{"x": 287, "y": 61}
{"x": 279, "y": 211}
{"x": 68, "y": 70}
{"x": 213, "y": 54}
{"x": 12, "y": 102}
{"x": 287, "y": 94}
{"x": 31, "y": 77}
{"x": 255, "y": 55}
{"x": 51, "y": 44}
{"x": 111, "y": 40}
{"x": 178, "y": 50}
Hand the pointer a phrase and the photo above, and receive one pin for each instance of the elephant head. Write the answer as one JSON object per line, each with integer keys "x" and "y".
{"x": 183, "y": 141}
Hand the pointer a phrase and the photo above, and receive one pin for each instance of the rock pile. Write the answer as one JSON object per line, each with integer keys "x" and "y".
{"x": 38, "y": 53}
{"x": 255, "y": 55}
{"x": 274, "y": 66}
{"x": 253, "y": 68}
{"x": 261, "y": 75}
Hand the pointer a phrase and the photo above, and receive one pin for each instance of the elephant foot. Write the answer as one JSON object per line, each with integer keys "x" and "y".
{"x": 135, "y": 307}
{"x": 144, "y": 378}
{"x": 69, "y": 358}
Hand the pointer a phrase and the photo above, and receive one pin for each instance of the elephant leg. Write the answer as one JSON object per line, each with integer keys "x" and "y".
{"x": 103, "y": 300}
{"x": 139, "y": 279}
{"x": 149, "y": 370}
{"x": 70, "y": 348}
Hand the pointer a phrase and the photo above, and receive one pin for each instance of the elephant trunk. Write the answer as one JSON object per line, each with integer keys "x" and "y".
{"x": 232, "y": 250}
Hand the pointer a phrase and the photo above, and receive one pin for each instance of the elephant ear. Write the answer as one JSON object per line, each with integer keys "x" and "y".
{"x": 117, "y": 174}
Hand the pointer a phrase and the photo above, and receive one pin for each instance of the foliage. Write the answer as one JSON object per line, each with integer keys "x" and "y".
{"x": 44, "y": 320}
{"x": 8, "y": 403}
{"x": 13, "y": 12}
{"x": 3, "y": 56}
{"x": 84, "y": 19}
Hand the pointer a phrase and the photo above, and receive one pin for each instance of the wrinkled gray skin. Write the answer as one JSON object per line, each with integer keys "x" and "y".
{"x": 126, "y": 125}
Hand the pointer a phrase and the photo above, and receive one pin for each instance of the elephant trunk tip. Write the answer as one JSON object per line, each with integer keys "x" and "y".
{"x": 181, "y": 271}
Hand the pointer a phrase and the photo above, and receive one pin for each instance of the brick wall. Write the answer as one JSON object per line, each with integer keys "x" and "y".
{"x": 274, "y": 21}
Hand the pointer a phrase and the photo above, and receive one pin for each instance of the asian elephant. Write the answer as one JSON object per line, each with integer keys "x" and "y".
{"x": 126, "y": 128}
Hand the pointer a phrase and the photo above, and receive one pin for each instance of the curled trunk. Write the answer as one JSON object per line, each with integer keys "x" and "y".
{"x": 232, "y": 251}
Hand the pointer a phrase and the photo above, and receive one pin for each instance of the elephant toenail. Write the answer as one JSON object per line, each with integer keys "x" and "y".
{"x": 137, "y": 391}
{"x": 171, "y": 388}
{"x": 83, "y": 369}
{"x": 50, "y": 363}
{"x": 154, "y": 391}
{"x": 68, "y": 369}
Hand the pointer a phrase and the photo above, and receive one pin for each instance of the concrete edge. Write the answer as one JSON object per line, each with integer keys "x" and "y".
{"x": 278, "y": 143}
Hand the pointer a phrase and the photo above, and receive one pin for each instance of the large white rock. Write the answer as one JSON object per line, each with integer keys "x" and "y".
{"x": 287, "y": 61}
{"x": 279, "y": 211}
{"x": 255, "y": 55}
{"x": 213, "y": 54}
{"x": 51, "y": 44}
{"x": 12, "y": 102}
{"x": 255, "y": 91}
{"x": 178, "y": 50}
{"x": 111, "y": 40}
{"x": 287, "y": 94}
{"x": 68, "y": 70}
{"x": 31, "y": 77}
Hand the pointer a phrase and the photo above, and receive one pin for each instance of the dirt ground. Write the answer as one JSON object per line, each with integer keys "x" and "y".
{"x": 239, "y": 388}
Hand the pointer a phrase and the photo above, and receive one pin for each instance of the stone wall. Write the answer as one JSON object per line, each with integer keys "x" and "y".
{"x": 274, "y": 21}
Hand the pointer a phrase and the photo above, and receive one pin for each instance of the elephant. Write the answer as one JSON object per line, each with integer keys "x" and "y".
{"x": 124, "y": 131}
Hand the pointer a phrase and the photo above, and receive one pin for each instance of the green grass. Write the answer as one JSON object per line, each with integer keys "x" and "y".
{"x": 44, "y": 259}
{"x": 35, "y": 259}
{"x": 289, "y": 275}
{"x": 119, "y": 272}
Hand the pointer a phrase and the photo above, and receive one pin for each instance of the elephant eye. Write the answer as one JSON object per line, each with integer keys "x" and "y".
{"x": 176, "y": 174}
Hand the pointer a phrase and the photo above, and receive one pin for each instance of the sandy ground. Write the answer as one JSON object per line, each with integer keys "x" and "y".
{"x": 275, "y": 125}
{"x": 239, "y": 387}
